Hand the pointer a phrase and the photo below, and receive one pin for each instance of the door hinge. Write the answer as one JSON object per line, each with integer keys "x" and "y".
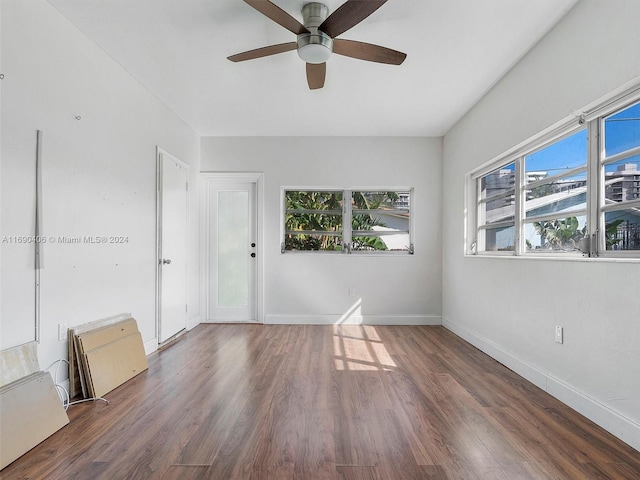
{"x": 185, "y": 308}
{"x": 187, "y": 184}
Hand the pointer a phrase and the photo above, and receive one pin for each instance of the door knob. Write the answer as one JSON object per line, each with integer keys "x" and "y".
{"x": 166, "y": 261}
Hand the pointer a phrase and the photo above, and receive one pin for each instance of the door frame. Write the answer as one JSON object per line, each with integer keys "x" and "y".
{"x": 220, "y": 178}
{"x": 159, "y": 153}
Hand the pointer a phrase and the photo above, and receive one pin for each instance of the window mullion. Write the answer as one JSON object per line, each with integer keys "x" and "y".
{"x": 595, "y": 187}
{"x": 347, "y": 212}
{"x": 519, "y": 246}
{"x": 411, "y": 222}
{"x": 480, "y": 217}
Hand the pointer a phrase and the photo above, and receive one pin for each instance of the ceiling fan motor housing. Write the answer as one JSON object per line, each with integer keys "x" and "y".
{"x": 315, "y": 46}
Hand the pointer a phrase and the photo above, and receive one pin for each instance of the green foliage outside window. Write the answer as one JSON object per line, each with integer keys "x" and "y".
{"x": 318, "y": 217}
{"x": 560, "y": 234}
{"x": 313, "y": 211}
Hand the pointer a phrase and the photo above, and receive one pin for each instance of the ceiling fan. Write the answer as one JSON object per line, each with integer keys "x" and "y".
{"x": 317, "y": 37}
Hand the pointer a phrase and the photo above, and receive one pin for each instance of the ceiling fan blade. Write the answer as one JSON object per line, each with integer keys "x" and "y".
{"x": 278, "y": 15}
{"x": 348, "y": 15}
{"x": 263, "y": 52}
{"x": 368, "y": 51}
{"x": 316, "y": 73}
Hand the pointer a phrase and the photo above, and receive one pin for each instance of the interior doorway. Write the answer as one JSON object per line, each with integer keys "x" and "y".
{"x": 173, "y": 208}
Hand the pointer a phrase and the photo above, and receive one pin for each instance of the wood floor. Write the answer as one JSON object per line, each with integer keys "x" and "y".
{"x": 321, "y": 402}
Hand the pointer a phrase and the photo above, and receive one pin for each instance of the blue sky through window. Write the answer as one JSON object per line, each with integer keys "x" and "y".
{"x": 568, "y": 153}
{"x": 622, "y": 131}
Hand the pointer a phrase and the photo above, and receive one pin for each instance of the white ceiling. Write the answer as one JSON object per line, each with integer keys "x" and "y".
{"x": 456, "y": 50}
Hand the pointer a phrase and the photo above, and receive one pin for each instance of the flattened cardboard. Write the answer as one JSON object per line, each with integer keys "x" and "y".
{"x": 77, "y": 384}
{"x": 31, "y": 412}
{"x": 96, "y": 338}
{"x": 75, "y": 387}
{"x": 80, "y": 369}
{"x": 113, "y": 364}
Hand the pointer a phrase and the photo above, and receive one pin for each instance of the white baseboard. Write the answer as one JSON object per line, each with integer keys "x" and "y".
{"x": 194, "y": 321}
{"x": 230, "y": 320}
{"x": 285, "y": 319}
{"x": 622, "y": 427}
{"x": 150, "y": 346}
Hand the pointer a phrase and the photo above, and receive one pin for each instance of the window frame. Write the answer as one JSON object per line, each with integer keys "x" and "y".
{"x": 347, "y": 232}
{"x": 593, "y": 121}
{"x": 285, "y": 212}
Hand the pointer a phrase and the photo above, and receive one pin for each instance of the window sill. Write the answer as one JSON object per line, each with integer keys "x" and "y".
{"x": 559, "y": 258}
{"x": 353, "y": 254}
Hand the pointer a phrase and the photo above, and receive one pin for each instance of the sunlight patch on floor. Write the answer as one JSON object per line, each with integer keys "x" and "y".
{"x": 359, "y": 348}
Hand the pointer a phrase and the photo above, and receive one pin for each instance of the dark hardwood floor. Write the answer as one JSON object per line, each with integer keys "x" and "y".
{"x": 316, "y": 402}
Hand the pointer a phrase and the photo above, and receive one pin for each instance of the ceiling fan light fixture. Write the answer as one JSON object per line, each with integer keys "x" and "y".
{"x": 315, "y": 42}
{"x": 315, "y": 47}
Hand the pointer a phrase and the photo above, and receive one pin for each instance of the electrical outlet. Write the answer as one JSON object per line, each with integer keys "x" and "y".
{"x": 62, "y": 332}
{"x": 559, "y": 334}
{"x": 352, "y": 292}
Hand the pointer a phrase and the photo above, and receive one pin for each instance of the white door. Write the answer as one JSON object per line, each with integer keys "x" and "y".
{"x": 172, "y": 246}
{"x": 232, "y": 250}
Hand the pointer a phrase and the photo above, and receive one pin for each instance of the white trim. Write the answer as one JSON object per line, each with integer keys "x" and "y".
{"x": 150, "y": 346}
{"x": 231, "y": 177}
{"x": 335, "y": 319}
{"x": 194, "y": 321}
{"x": 558, "y": 257}
{"x": 617, "y": 424}
{"x": 230, "y": 320}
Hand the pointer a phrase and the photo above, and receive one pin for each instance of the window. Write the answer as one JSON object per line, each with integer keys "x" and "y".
{"x": 555, "y": 195}
{"x": 497, "y": 211}
{"x": 347, "y": 221}
{"x": 620, "y": 173}
{"x": 313, "y": 220}
{"x": 575, "y": 192}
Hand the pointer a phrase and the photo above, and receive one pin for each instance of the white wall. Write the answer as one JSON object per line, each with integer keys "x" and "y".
{"x": 99, "y": 178}
{"x": 509, "y": 307}
{"x": 313, "y": 288}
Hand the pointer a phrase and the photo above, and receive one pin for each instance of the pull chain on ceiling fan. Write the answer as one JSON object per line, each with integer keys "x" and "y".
{"x": 317, "y": 37}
